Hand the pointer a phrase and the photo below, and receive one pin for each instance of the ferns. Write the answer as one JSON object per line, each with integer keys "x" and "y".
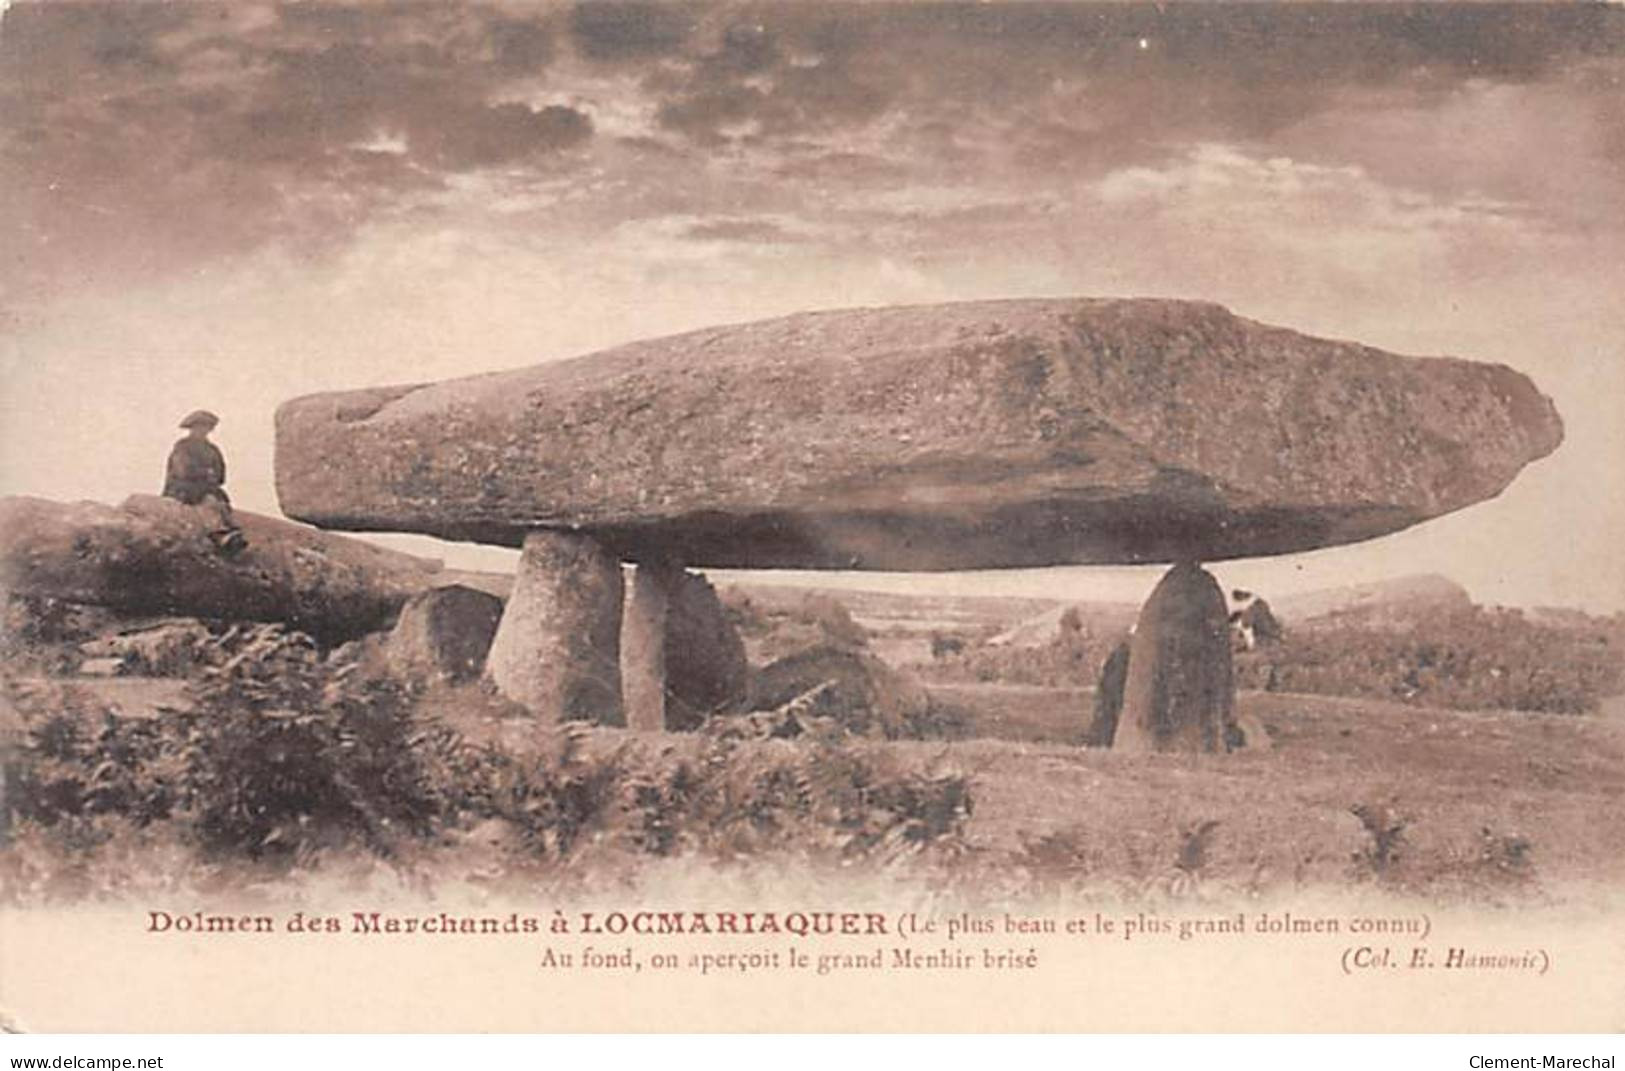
{"x": 823, "y": 801}
{"x": 284, "y": 756}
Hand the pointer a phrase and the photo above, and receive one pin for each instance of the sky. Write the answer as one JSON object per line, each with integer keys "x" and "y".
{"x": 228, "y": 206}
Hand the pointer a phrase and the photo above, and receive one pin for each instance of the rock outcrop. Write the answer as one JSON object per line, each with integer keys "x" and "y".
{"x": 971, "y": 435}
{"x": 153, "y": 556}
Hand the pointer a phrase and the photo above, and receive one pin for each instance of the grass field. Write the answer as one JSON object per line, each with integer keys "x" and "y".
{"x": 1444, "y": 804}
{"x": 1487, "y": 801}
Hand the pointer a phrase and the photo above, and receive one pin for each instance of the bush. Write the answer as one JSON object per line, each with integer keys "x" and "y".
{"x": 1468, "y": 659}
{"x": 79, "y": 759}
{"x": 282, "y": 755}
{"x": 800, "y": 621}
{"x": 40, "y": 634}
{"x": 274, "y": 759}
{"x": 552, "y": 798}
{"x": 285, "y": 756}
{"x": 828, "y": 800}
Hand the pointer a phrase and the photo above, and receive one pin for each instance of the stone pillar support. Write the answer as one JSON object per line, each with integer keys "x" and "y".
{"x": 655, "y": 590}
{"x": 557, "y": 648}
{"x": 1180, "y": 692}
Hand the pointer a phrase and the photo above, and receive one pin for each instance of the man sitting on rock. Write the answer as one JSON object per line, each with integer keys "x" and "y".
{"x": 196, "y": 475}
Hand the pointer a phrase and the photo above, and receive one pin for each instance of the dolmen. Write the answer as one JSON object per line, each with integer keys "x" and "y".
{"x": 976, "y": 435}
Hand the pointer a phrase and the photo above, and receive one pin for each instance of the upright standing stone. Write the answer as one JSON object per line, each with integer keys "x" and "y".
{"x": 557, "y": 648}
{"x": 1109, "y": 696}
{"x": 643, "y": 643}
{"x": 1180, "y": 693}
{"x": 681, "y": 658}
{"x": 706, "y": 668}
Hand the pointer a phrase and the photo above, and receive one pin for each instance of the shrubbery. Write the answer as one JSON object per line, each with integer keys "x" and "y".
{"x": 813, "y": 619}
{"x": 38, "y": 634}
{"x": 824, "y": 800}
{"x": 1467, "y": 659}
{"x": 277, "y": 757}
{"x": 285, "y": 755}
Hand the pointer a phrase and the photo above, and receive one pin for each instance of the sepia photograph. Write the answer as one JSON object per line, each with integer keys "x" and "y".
{"x": 838, "y": 517}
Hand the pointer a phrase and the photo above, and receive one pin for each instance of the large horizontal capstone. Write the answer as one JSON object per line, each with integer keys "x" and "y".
{"x": 971, "y": 435}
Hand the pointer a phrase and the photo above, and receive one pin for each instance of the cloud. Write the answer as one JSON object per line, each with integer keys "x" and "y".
{"x": 606, "y": 30}
{"x": 229, "y": 204}
{"x": 706, "y": 114}
{"x": 520, "y": 46}
{"x": 143, "y": 140}
{"x": 739, "y": 230}
{"x": 483, "y": 136}
{"x": 1277, "y": 204}
{"x": 1558, "y": 144}
{"x": 611, "y": 100}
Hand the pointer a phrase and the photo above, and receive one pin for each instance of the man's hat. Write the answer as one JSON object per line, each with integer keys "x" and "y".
{"x": 200, "y": 417}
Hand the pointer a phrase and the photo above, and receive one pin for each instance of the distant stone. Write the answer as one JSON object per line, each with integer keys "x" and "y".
{"x": 1180, "y": 691}
{"x": 498, "y": 584}
{"x": 1397, "y": 603}
{"x": 973, "y": 435}
{"x": 153, "y": 555}
{"x": 444, "y": 634}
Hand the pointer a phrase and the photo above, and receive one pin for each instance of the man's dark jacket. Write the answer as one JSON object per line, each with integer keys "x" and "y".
{"x": 196, "y": 471}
